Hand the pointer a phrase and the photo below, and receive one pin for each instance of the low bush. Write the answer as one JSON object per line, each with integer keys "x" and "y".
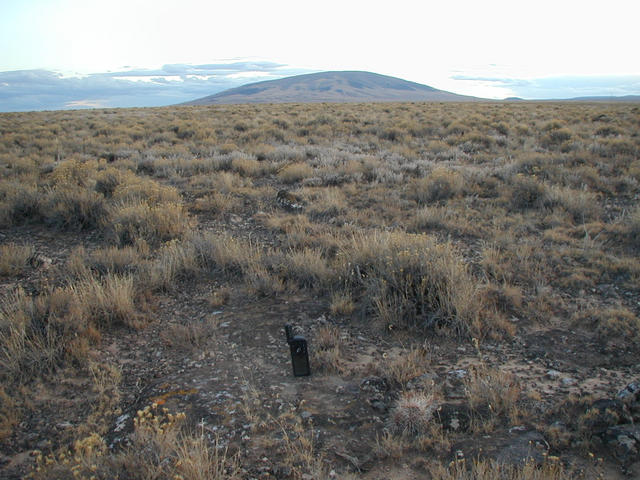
{"x": 440, "y": 184}
{"x": 295, "y": 172}
{"x": 410, "y": 280}
{"x": 152, "y": 223}
{"x": 527, "y": 192}
{"x": 42, "y": 332}
{"x": 19, "y": 203}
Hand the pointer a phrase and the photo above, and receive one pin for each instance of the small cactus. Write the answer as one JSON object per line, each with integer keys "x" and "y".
{"x": 412, "y": 413}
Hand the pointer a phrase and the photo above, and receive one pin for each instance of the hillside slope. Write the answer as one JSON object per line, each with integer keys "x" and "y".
{"x": 332, "y": 87}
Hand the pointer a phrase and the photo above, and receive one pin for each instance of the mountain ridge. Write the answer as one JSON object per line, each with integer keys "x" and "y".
{"x": 348, "y": 86}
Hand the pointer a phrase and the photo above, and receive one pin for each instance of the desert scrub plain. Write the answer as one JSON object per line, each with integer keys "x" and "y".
{"x": 467, "y": 277}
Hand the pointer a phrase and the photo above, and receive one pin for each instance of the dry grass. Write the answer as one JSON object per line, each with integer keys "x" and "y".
{"x": 411, "y": 280}
{"x": 40, "y": 333}
{"x": 493, "y": 396}
{"x": 14, "y": 258}
{"x": 159, "y": 449}
{"x": 440, "y": 184}
{"x": 329, "y": 350}
{"x": 530, "y": 210}
{"x": 490, "y": 470}
{"x": 408, "y": 365}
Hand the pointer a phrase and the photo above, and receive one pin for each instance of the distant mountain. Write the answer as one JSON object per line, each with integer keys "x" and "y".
{"x": 332, "y": 87}
{"x": 625, "y": 98}
{"x": 596, "y": 98}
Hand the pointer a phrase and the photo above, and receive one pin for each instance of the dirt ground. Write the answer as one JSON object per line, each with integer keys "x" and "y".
{"x": 239, "y": 374}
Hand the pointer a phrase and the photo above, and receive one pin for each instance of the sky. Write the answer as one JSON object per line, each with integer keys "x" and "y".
{"x": 86, "y": 53}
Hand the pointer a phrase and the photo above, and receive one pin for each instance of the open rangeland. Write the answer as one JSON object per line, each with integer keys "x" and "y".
{"x": 466, "y": 275}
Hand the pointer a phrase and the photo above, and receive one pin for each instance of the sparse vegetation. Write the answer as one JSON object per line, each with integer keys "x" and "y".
{"x": 409, "y": 230}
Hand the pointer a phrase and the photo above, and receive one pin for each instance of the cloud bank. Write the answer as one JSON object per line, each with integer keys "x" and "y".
{"x": 26, "y": 90}
{"x": 561, "y": 87}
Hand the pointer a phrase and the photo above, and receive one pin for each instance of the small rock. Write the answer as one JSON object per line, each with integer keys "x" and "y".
{"x": 453, "y": 417}
{"x": 121, "y": 421}
{"x": 374, "y": 384}
{"x": 567, "y": 381}
{"x": 379, "y": 405}
{"x": 43, "y": 444}
{"x": 282, "y": 471}
{"x": 630, "y": 393}
{"x": 553, "y": 374}
{"x": 64, "y": 425}
{"x": 306, "y": 414}
{"x": 459, "y": 373}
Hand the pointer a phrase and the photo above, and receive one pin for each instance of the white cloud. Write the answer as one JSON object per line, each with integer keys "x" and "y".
{"x": 86, "y": 104}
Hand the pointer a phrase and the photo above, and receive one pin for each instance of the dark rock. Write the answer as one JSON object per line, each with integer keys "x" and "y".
{"x": 523, "y": 447}
{"x": 518, "y": 446}
{"x": 282, "y": 471}
{"x": 630, "y": 393}
{"x": 454, "y": 417}
{"x": 604, "y": 413}
{"x": 374, "y": 384}
{"x": 379, "y": 405}
{"x": 624, "y": 442}
{"x": 422, "y": 382}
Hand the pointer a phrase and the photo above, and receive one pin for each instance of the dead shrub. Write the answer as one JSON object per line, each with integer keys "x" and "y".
{"x": 410, "y": 281}
{"x": 223, "y": 253}
{"x": 492, "y": 395}
{"x": 248, "y": 166}
{"x": 175, "y": 261}
{"x": 611, "y": 322}
{"x": 107, "y": 302}
{"x": 20, "y": 203}
{"x": 581, "y": 205}
{"x": 482, "y": 469}
{"x": 342, "y": 303}
{"x": 527, "y": 192}
{"x": 114, "y": 260}
{"x": 153, "y": 223}
{"x": 137, "y": 190}
{"x": 440, "y": 184}
{"x": 295, "y": 172}
{"x": 262, "y": 281}
{"x": 73, "y": 208}
{"x": 408, "y": 365}
{"x": 189, "y": 336}
{"x": 307, "y": 269}
{"x": 329, "y": 349}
